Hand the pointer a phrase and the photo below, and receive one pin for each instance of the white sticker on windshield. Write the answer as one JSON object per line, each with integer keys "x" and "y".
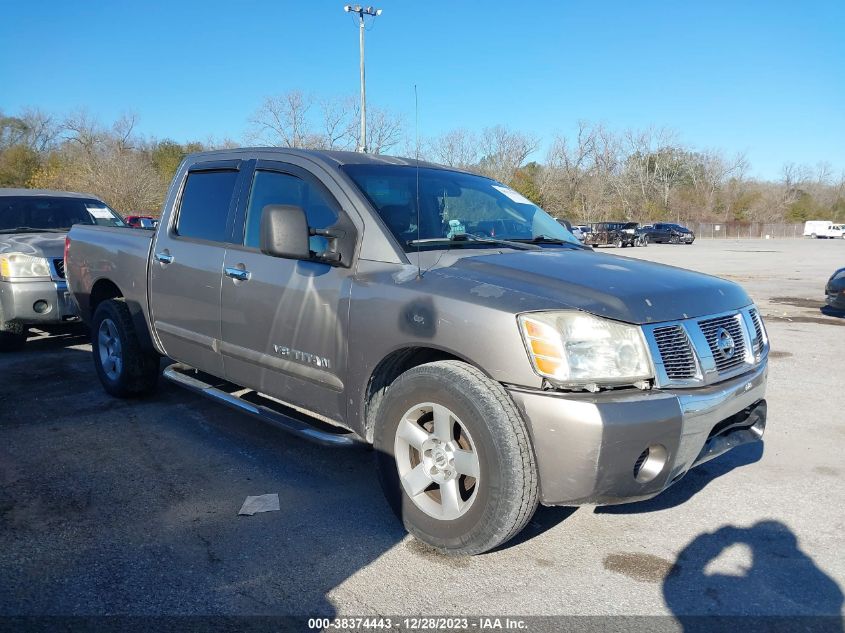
{"x": 99, "y": 212}
{"x": 513, "y": 195}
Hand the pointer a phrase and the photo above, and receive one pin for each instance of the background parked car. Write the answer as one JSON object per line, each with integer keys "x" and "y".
{"x": 835, "y": 231}
{"x": 818, "y": 228}
{"x": 135, "y": 220}
{"x": 835, "y": 290}
{"x": 618, "y": 234}
{"x": 665, "y": 233}
{"x": 33, "y": 226}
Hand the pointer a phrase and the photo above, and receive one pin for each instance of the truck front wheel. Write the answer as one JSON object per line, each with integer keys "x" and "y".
{"x": 124, "y": 367}
{"x": 12, "y": 335}
{"x": 454, "y": 458}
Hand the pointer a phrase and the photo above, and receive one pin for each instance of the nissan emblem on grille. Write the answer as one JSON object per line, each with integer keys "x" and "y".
{"x": 725, "y": 342}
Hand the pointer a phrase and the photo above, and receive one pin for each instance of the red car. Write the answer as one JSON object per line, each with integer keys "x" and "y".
{"x": 135, "y": 220}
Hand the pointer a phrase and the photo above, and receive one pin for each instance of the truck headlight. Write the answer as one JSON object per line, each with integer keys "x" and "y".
{"x": 576, "y": 349}
{"x": 20, "y": 265}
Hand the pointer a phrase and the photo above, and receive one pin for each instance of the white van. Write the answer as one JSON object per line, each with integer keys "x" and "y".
{"x": 816, "y": 228}
{"x": 835, "y": 230}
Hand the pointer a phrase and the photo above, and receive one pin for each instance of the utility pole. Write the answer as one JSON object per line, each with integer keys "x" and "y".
{"x": 372, "y": 12}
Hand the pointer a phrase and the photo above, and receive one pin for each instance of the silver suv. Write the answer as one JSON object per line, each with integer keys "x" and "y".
{"x": 33, "y": 226}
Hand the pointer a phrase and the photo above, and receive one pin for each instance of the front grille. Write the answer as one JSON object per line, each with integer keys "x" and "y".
{"x": 757, "y": 343}
{"x": 675, "y": 352}
{"x": 711, "y": 328}
{"x": 59, "y": 265}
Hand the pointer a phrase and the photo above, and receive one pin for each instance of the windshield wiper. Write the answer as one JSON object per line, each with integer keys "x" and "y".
{"x": 469, "y": 237}
{"x": 29, "y": 229}
{"x": 545, "y": 239}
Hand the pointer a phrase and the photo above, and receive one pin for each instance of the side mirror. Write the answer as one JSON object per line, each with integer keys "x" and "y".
{"x": 146, "y": 223}
{"x": 284, "y": 232}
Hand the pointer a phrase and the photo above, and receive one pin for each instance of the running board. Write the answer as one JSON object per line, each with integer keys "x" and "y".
{"x": 281, "y": 416}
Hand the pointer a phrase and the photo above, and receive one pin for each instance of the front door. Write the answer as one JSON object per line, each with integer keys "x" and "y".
{"x": 283, "y": 321}
{"x": 187, "y": 266}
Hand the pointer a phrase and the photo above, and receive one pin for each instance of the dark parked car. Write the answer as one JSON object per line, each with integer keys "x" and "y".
{"x": 666, "y": 233}
{"x": 835, "y": 290}
{"x": 618, "y": 234}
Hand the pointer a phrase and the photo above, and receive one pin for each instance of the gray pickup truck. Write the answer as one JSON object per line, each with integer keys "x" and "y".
{"x": 33, "y": 226}
{"x": 492, "y": 361}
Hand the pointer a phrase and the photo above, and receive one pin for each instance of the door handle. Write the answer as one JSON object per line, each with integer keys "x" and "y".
{"x": 164, "y": 258}
{"x": 238, "y": 274}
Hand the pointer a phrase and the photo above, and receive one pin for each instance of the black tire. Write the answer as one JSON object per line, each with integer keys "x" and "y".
{"x": 813, "y": 236}
{"x": 12, "y": 335}
{"x": 138, "y": 374}
{"x": 508, "y": 487}
{"x": 619, "y": 244}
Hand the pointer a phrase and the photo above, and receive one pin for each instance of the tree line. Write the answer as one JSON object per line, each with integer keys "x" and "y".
{"x": 591, "y": 175}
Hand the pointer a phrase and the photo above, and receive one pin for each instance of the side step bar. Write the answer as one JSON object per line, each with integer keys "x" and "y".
{"x": 283, "y": 417}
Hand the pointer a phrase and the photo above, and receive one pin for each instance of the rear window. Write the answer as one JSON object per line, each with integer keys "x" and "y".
{"x": 53, "y": 213}
{"x": 204, "y": 211}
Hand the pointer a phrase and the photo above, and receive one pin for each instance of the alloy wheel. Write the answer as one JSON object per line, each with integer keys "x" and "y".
{"x": 111, "y": 352}
{"x": 437, "y": 461}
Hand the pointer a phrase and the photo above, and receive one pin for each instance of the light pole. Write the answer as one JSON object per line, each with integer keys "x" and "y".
{"x": 362, "y": 11}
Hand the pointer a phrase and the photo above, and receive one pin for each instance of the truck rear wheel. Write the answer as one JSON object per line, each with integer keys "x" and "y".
{"x": 12, "y": 335}
{"x": 454, "y": 458}
{"x": 123, "y": 366}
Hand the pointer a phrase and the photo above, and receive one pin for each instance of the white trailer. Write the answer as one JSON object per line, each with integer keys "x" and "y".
{"x": 816, "y": 228}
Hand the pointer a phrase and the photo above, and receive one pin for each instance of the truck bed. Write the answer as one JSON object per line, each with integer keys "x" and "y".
{"x": 117, "y": 254}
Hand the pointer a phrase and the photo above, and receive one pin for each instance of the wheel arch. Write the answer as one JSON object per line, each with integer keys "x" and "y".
{"x": 105, "y": 289}
{"x": 390, "y": 368}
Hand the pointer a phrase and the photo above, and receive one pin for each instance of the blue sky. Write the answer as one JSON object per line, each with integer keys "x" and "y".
{"x": 765, "y": 78}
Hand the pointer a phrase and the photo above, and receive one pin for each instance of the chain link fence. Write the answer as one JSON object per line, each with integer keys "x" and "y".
{"x": 745, "y": 230}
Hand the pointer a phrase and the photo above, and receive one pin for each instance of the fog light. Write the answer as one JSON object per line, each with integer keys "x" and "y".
{"x": 41, "y": 306}
{"x": 650, "y": 463}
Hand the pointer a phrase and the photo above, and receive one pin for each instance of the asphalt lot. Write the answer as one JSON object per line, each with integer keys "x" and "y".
{"x": 130, "y": 507}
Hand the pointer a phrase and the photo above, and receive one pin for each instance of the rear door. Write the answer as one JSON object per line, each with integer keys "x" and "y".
{"x": 659, "y": 233}
{"x": 284, "y": 321}
{"x": 187, "y": 265}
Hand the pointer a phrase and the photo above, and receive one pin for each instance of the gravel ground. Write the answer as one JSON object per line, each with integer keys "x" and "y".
{"x": 130, "y": 507}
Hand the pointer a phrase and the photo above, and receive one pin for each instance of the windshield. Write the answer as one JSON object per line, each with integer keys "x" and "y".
{"x": 53, "y": 213}
{"x": 452, "y": 204}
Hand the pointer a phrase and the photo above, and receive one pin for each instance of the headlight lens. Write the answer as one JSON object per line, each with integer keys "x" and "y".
{"x": 578, "y": 349}
{"x": 18, "y": 265}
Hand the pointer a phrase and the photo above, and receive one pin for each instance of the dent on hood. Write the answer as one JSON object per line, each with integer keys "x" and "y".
{"x": 35, "y": 244}
{"x": 632, "y": 291}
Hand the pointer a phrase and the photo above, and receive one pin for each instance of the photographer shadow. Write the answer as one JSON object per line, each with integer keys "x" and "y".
{"x": 782, "y": 587}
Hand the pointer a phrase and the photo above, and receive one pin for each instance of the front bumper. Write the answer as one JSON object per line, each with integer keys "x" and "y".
{"x": 835, "y": 298}
{"x": 588, "y": 445}
{"x": 19, "y": 300}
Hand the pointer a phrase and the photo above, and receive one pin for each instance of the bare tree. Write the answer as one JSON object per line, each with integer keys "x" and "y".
{"x": 504, "y": 151}
{"x": 282, "y": 120}
{"x": 456, "y": 148}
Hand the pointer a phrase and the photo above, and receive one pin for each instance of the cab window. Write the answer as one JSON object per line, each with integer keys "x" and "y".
{"x": 204, "y": 210}
{"x": 272, "y": 187}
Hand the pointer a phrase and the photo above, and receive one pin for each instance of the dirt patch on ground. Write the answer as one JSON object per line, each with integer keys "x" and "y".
{"x": 776, "y": 354}
{"x": 642, "y": 567}
{"x": 808, "y": 319}
{"x": 798, "y": 302}
{"x": 433, "y": 556}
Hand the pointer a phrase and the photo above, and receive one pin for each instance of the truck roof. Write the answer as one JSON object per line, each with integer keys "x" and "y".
{"x": 45, "y": 192}
{"x": 331, "y": 157}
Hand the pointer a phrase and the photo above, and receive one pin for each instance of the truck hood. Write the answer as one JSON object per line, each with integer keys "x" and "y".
{"x": 611, "y": 286}
{"x": 50, "y": 245}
